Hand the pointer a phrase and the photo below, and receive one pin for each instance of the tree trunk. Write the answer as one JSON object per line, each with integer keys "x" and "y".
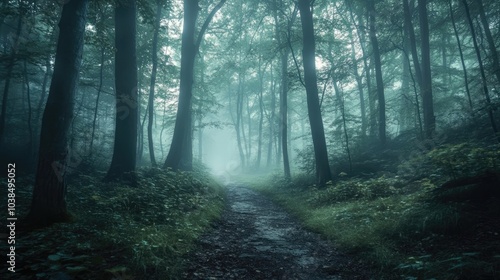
{"x": 99, "y": 90}
{"x": 261, "y": 113}
{"x": 359, "y": 83}
{"x": 284, "y": 112}
{"x": 283, "y": 97}
{"x": 378, "y": 76}
{"x": 49, "y": 194}
{"x": 153, "y": 82}
{"x": 323, "y": 173}
{"x": 271, "y": 120}
{"x": 180, "y": 155}
{"x": 176, "y": 159}
{"x": 413, "y": 43}
{"x": 483, "y": 75}
{"x": 125, "y": 145}
{"x": 491, "y": 41}
{"x": 426, "y": 86}
{"x": 30, "y": 110}
{"x": 457, "y": 37}
{"x": 10, "y": 66}
{"x": 239, "y": 109}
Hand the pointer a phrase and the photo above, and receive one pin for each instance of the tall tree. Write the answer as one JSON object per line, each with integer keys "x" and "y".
{"x": 283, "y": 99}
{"x": 323, "y": 172}
{"x": 426, "y": 86}
{"x": 125, "y": 147}
{"x": 180, "y": 155}
{"x": 462, "y": 60}
{"x": 49, "y": 194}
{"x": 154, "y": 59}
{"x": 490, "y": 40}
{"x": 481, "y": 70}
{"x": 10, "y": 66}
{"x": 378, "y": 74}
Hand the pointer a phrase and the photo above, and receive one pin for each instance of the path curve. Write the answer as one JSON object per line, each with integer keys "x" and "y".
{"x": 256, "y": 239}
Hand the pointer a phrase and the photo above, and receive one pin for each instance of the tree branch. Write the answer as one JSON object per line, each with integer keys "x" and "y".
{"x": 204, "y": 27}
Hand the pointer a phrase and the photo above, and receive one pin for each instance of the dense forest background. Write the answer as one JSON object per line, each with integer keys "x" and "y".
{"x": 340, "y": 90}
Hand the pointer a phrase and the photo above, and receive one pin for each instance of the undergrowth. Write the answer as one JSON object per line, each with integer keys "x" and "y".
{"x": 123, "y": 232}
{"x": 397, "y": 224}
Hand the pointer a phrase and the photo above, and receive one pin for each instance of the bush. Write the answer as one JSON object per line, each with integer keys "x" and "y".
{"x": 451, "y": 162}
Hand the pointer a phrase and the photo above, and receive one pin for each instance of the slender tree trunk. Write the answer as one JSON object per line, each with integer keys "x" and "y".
{"x": 151, "y": 98}
{"x": 271, "y": 120}
{"x": 200, "y": 134}
{"x": 359, "y": 83}
{"x": 404, "y": 112}
{"x": 239, "y": 109}
{"x": 378, "y": 76}
{"x": 283, "y": 98}
{"x": 462, "y": 60}
{"x": 261, "y": 113}
{"x": 284, "y": 112}
{"x": 323, "y": 173}
{"x": 413, "y": 42}
{"x": 125, "y": 145}
{"x": 99, "y": 90}
{"x": 49, "y": 194}
{"x": 249, "y": 119}
{"x": 10, "y": 66}
{"x": 490, "y": 40}
{"x": 28, "y": 98}
{"x": 481, "y": 69}
{"x": 426, "y": 86}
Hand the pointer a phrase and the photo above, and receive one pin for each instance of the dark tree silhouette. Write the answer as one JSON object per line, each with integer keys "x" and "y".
{"x": 49, "y": 203}
{"x": 323, "y": 173}
{"x": 124, "y": 152}
{"x": 180, "y": 155}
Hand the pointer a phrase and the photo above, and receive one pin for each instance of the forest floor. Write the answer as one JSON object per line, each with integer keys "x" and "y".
{"x": 256, "y": 239}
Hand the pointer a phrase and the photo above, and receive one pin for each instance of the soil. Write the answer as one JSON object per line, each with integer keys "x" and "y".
{"x": 256, "y": 239}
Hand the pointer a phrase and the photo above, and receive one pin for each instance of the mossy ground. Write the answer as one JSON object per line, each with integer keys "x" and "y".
{"x": 120, "y": 232}
{"x": 399, "y": 223}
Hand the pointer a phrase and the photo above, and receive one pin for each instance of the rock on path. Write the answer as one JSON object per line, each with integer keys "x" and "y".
{"x": 256, "y": 239}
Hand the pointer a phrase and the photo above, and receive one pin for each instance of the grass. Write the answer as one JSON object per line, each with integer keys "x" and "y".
{"x": 396, "y": 226}
{"x": 121, "y": 232}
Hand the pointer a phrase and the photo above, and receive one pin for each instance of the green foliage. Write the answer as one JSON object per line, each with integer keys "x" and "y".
{"x": 451, "y": 162}
{"x": 356, "y": 189}
{"x": 124, "y": 232}
{"x": 159, "y": 220}
{"x": 395, "y": 225}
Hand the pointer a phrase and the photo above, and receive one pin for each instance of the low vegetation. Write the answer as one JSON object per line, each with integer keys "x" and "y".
{"x": 121, "y": 232}
{"x": 437, "y": 218}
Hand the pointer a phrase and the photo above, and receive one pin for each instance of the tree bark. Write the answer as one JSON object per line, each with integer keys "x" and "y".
{"x": 426, "y": 86}
{"x": 180, "y": 155}
{"x": 125, "y": 145}
{"x": 323, "y": 172}
{"x": 10, "y": 66}
{"x": 99, "y": 90}
{"x": 283, "y": 97}
{"x": 261, "y": 114}
{"x": 378, "y": 76}
{"x": 462, "y": 60}
{"x": 152, "y": 84}
{"x": 49, "y": 194}
{"x": 490, "y": 40}
{"x": 481, "y": 69}
{"x": 413, "y": 42}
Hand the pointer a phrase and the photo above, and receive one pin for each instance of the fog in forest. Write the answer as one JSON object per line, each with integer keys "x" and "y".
{"x": 232, "y": 139}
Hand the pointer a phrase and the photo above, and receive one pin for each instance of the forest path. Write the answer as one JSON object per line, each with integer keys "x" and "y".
{"x": 256, "y": 239}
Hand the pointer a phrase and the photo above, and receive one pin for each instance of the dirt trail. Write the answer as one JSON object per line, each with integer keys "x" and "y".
{"x": 256, "y": 239}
